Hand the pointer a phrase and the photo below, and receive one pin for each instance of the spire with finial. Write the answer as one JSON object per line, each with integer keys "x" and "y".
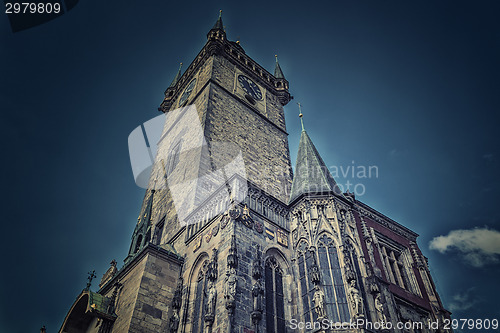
{"x": 218, "y": 24}
{"x": 278, "y": 73}
{"x": 312, "y": 175}
{"x": 177, "y": 77}
{"x": 300, "y": 116}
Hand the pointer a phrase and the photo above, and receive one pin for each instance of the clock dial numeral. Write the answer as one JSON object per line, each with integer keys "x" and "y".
{"x": 250, "y": 87}
{"x": 187, "y": 92}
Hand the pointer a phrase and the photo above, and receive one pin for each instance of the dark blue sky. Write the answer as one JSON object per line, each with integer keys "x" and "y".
{"x": 410, "y": 87}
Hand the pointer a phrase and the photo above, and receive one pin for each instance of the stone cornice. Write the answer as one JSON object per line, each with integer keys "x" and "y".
{"x": 150, "y": 248}
{"x": 385, "y": 221}
{"x": 233, "y": 54}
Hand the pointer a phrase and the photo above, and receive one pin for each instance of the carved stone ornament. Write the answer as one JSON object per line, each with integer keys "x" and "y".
{"x": 355, "y": 299}
{"x": 257, "y": 265}
{"x": 246, "y": 219}
{"x": 212, "y": 267}
{"x": 232, "y": 257}
{"x": 173, "y": 324}
{"x": 314, "y": 274}
{"x": 282, "y": 238}
{"x": 215, "y": 230}
{"x": 259, "y": 227}
{"x": 234, "y": 212}
{"x": 177, "y": 300}
{"x": 197, "y": 243}
{"x": 109, "y": 273}
{"x": 208, "y": 236}
{"x": 379, "y": 307}
{"x": 319, "y": 302}
{"x": 257, "y": 294}
{"x": 211, "y": 296}
{"x": 230, "y": 288}
{"x": 225, "y": 221}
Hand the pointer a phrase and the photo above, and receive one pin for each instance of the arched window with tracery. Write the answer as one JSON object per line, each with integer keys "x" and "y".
{"x": 173, "y": 158}
{"x": 332, "y": 281}
{"x": 306, "y": 263}
{"x": 199, "y": 294}
{"x": 275, "y": 306}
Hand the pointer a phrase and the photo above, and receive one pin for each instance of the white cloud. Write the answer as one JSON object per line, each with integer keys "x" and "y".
{"x": 478, "y": 246}
{"x": 464, "y": 301}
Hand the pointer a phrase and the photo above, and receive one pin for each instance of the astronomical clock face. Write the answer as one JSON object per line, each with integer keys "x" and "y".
{"x": 250, "y": 87}
{"x": 187, "y": 92}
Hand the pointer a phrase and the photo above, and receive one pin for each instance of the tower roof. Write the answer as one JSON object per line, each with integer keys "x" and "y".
{"x": 278, "y": 73}
{"x": 177, "y": 77}
{"x": 311, "y": 173}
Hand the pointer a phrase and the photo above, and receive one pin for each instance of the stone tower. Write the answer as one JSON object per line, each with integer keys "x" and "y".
{"x": 228, "y": 240}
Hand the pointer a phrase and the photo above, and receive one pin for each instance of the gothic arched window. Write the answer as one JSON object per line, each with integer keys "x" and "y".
{"x": 138, "y": 243}
{"x": 199, "y": 309}
{"x": 173, "y": 158}
{"x": 158, "y": 231}
{"x": 306, "y": 262}
{"x": 275, "y": 311}
{"x": 331, "y": 279}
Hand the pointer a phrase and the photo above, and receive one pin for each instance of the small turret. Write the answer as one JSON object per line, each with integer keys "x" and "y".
{"x": 169, "y": 92}
{"x": 281, "y": 84}
{"x": 217, "y": 31}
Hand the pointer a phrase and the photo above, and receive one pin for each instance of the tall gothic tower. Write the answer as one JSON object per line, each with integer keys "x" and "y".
{"x": 250, "y": 247}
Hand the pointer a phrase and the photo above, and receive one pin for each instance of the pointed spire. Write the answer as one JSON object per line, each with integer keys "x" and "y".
{"x": 311, "y": 173}
{"x": 218, "y": 25}
{"x": 177, "y": 77}
{"x": 278, "y": 73}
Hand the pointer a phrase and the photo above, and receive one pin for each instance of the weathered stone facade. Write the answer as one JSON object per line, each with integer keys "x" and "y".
{"x": 269, "y": 254}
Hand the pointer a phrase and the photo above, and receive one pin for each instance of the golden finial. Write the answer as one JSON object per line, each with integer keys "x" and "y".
{"x": 301, "y": 115}
{"x": 220, "y": 13}
{"x": 276, "y": 56}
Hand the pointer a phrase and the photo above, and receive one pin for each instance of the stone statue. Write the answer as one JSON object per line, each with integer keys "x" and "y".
{"x": 380, "y": 309}
{"x": 211, "y": 298}
{"x": 230, "y": 285}
{"x": 319, "y": 302}
{"x": 257, "y": 292}
{"x": 174, "y": 322}
{"x": 356, "y": 300}
{"x": 257, "y": 264}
